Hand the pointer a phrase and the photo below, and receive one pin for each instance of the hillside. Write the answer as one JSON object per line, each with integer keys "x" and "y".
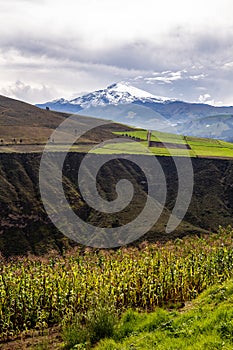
{"x": 24, "y": 124}
{"x": 24, "y": 225}
{"x": 19, "y": 120}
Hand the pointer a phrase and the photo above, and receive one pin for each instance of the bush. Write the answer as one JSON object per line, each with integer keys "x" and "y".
{"x": 88, "y": 329}
{"x": 75, "y": 333}
{"x": 101, "y": 323}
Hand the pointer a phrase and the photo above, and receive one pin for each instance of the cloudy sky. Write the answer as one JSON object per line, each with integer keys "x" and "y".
{"x": 175, "y": 48}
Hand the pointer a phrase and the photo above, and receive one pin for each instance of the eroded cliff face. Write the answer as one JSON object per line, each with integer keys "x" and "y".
{"x": 26, "y": 228}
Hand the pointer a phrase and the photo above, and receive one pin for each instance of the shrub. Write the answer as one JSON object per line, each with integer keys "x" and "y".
{"x": 98, "y": 323}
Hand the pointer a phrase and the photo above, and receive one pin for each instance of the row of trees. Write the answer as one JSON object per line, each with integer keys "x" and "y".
{"x": 14, "y": 141}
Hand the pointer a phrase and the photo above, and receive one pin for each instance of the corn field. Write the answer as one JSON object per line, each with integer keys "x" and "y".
{"x": 40, "y": 292}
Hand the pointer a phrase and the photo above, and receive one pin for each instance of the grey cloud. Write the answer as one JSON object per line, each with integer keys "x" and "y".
{"x": 174, "y": 50}
{"x": 213, "y": 43}
{"x": 206, "y": 57}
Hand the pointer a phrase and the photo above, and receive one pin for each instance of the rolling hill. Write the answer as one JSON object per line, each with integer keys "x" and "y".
{"x": 34, "y": 126}
{"x": 20, "y": 120}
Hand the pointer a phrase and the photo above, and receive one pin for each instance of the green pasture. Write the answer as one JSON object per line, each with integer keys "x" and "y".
{"x": 200, "y": 147}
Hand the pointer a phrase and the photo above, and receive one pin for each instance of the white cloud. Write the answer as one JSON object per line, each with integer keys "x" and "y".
{"x": 165, "y": 77}
{"x": 206, "y": 98}
{"x": 197, "y": 77}
{"x": 228, "y": 65}
{"x": 201, "y": 88}
{"x": 26, "y": 92}
{"x": 97, "y": 23}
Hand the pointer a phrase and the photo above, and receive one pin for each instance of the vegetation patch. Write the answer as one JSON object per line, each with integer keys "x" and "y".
{"x": 37, "y": 293}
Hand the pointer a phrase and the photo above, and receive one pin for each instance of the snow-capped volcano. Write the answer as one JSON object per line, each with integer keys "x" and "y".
{"x": 115, "y": 94}
{"x": 124, "y": 103}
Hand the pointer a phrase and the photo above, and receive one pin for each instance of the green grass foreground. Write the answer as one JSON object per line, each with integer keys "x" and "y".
{"x": 36, "y": 293}
{"x": 207, "y": 323}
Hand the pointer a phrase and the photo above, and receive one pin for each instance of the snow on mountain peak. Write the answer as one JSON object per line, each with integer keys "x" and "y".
{"x": 125, "y": 87}
{"x": 117, "y": 93}
{"x": 60, "y": 100}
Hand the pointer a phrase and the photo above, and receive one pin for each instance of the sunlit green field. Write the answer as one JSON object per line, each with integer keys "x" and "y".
{"x": 200, "y": 147}
{"x": 141, "y": 148}
{"x": 155, "y": 136}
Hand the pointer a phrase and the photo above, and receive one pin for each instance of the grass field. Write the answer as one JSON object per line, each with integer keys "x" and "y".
{"x": 141, "y": 148}
{"x": 155, "y": 136}
{"x": 199, "y": 147}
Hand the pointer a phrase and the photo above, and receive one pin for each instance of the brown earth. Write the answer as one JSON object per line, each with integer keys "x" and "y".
{"x": 169, "y": 145}
{"x": 48, "y": 339}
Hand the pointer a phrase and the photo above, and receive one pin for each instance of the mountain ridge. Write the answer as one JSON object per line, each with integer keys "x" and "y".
{"x": 116, "y": 93}
{"x": 122, "y": 102}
